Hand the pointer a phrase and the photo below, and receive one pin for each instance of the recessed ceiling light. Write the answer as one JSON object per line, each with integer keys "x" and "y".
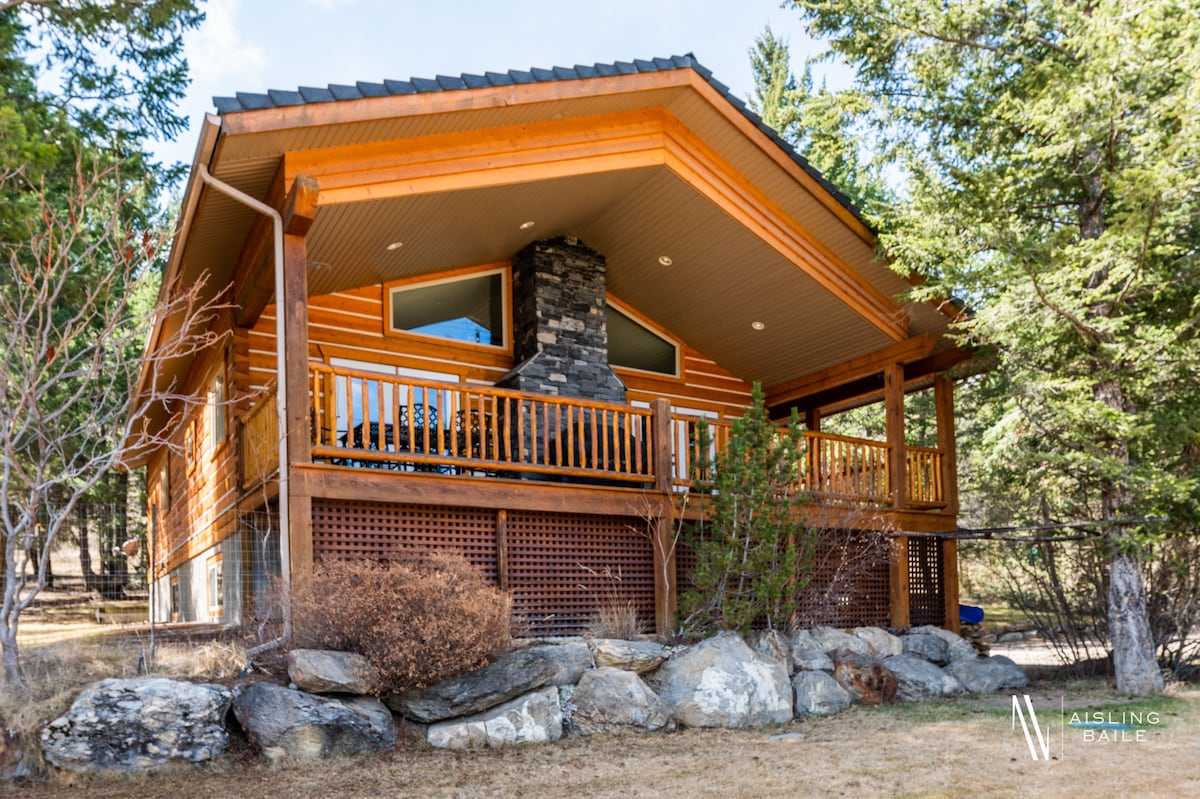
{"x": 527, "y": 225}
{"x": 665, "y": 260}
{"x": 395, "y": 245}
{"x": 758, "y": 325}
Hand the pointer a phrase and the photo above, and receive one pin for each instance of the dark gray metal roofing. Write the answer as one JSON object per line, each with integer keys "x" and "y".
{"x": 274, "y": 98}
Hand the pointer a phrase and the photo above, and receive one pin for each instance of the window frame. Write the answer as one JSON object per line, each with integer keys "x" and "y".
{"x": 215, "y": 590}
{"x": 504, "y": 269}
{"x": 217, "y": 402}
{"x": 641, "y": 321}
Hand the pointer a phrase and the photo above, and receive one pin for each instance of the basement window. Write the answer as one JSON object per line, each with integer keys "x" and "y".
{"x": 468, "y": 308}
{"x": 633, "y": 344}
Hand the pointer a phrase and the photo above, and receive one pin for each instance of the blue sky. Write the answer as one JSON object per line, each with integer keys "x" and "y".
{"x": 255, "y": 45}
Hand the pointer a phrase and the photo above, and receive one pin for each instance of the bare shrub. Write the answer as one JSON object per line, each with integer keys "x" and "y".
{"x": 616, "y": 616}
{"x": 419, "y": 619}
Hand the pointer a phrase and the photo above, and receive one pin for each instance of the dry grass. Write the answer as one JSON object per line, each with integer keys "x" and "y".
{"x": 615, "y": 616}
{"x": 935, "y": 750}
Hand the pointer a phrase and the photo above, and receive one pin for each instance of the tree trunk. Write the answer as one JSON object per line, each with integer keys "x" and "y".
{"x": 1132, "y": 642}
{"x": 85, "y": 554}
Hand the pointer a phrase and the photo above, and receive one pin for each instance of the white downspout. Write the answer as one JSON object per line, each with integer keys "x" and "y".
{"x": 285, "y": 549}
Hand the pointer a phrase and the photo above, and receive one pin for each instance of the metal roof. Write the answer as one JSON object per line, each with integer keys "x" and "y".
{"x": 276, "y": 98}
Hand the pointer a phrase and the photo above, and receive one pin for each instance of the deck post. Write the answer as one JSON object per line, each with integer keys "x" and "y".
{"x": 950, "y": 583}
{"x": 662, "y": 532}
{"x": 943, "y": 400}
{"x": 299, "y": 212}
{"x": 893, "y": 397}
{"x": 898, "y": 583}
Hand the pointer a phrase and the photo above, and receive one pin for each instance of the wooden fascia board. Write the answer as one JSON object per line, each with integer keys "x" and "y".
{"x": 906, "y": 351}
{"x": 590, "y": 145}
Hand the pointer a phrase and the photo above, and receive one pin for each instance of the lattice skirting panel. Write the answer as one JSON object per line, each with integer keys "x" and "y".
{"x": 560, "y": 568}
{"x": 926, "y": 588}
{"x": 848, "y": 586}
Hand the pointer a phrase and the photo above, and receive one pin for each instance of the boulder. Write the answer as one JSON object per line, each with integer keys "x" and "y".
{"x": 635, "y": 656}
{"x": 868, "y": 680}
{"x": 830, "y": 639}
{"x": 930, "y": 647}
{"x": 614, "y": 701}
{"x": 140, "y": 723}
{"x": 919, "y": 679}
{"x": 322, "y": 671}
{"x": 772, "y": 645}
{"x": 808, "y": 654}
{"x": 285, "y": 723}
{"x": 984, "y": 675}
{"x": 721, "y": 682}
{"x": 571, "y": 660}
{"x": 880, "y": 643}
{"x": 957, "y": 647}
{"x": 816, "y": 693}
{"x": 533, "y": 718}
{"x": 510, "y": 676}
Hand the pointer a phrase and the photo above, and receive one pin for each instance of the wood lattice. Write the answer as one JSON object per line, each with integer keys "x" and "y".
{"x": 926, "y": 592}
{"x": 354, "y": 529}
{"x": 563, "y": 566}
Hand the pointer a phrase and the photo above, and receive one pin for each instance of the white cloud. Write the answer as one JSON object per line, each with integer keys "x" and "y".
{"x": 219, "y": 51}
{"x": 330, "y": 5}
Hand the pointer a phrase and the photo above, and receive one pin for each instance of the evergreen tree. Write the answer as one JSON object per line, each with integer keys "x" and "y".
{"x": 1051, "y": 150}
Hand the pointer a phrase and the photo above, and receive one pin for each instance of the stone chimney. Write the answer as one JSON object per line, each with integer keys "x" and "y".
{"x": 560, "y": 336}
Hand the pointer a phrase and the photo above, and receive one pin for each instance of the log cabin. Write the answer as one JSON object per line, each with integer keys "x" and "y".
{"x": 487, "y": 312}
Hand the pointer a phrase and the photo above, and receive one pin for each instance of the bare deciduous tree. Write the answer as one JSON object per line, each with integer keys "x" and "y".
{"x": 77, "y": 299}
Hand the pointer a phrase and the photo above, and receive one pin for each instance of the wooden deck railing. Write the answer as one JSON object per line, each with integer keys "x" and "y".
{"x": 260, "y": 440}
{"x": 384, "y": 421}
{"x": 363, "y": 418}
{"x": 831, "y": 466}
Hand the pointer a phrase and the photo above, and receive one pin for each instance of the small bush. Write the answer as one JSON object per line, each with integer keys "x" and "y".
{"x": 615, "y": 616}
{"x": 418, "y": 619}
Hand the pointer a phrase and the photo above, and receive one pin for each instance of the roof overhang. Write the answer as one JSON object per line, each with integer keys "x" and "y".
{"x": 638, "y": 166}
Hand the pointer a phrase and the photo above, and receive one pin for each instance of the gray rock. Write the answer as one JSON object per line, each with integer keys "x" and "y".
{"x": 614, "y": 701}
{"x": 930, "y": 647}
{"x": 880, "y": 643}
{"x": 321, "y": 671}
{"x": 572, "y": 659}
{"x": 807, "y": 653}
{"x": 772, "y": 645}
{"x": 533, "y": 718}
{"x": 957, "y": 647}
{"x": 141, "y": 723}
{"x": 816, "y": 693}
{"x": 294, "y": 725}
{"x": 866, "y": 678}
{"x": 1009, "y": 637}
{"x": 984, "y": 675}
{"x": 830, "y": 639}
{"x": 919, "y": 679}
{"x": 510, "y": 676}
{"x": 721, "y": 682}
{"x": 636, "y": 656}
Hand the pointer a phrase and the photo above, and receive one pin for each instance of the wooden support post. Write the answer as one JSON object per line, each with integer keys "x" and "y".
{"x": 662, "y": 527}
{"x": 950, "y": 583}
{"x": 502, "y": 549}
{"x": 812, "y": 420}
{"x": 898, "y": 582}
{"x": 893, "y": 397}
{"x": 943, "y": 400}
{"x": 299, "y": 212}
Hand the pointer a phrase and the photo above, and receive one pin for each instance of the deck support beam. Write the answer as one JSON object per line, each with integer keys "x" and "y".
{"x": 663, "y": 525}
{"x": 300, "y": 210}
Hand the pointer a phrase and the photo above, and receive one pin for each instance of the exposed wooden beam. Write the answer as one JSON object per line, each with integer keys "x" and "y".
{"x": 873, "y": 363}
{"x": 254, "y": 283}
{"x": 898, "y": 583}
{"x": 950, "y": 583}
{"x": 893, "y": 398}
{"x": 943, "y": 401}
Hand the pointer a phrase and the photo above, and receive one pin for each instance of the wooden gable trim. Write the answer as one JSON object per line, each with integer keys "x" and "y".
{"x": 590, "y": 145}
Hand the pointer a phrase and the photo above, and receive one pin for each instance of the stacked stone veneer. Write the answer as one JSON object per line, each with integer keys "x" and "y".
{"x": 560, "y": 336}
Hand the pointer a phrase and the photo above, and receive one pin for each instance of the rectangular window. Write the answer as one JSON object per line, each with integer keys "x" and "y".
{"x": 164, "y": 486}
{"x": 216, "y": 409}
{"x": 189, "y": 447}
{"x": 175, "y": 598}
{"x": 470, "y": 308}
{"x": 216, "y": 587}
